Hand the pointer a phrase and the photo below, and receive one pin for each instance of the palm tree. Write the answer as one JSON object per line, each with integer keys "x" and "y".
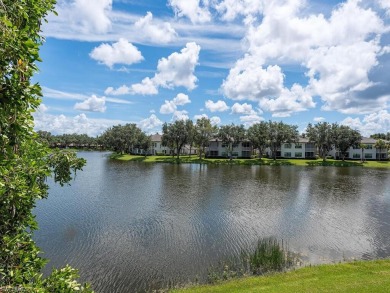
{"x": 380, "y": 144}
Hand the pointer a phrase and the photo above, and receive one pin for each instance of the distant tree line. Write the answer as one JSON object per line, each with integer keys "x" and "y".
{"x": 383, "y": 136}
{"x": 73, "y": 140}
{"x": 263, "y": 135}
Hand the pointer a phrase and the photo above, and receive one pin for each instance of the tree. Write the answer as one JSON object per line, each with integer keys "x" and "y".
{"x": 145, "y": 143}
{"x": 380, "y": 145}
{"x": 230, "y": 136}
{"x": 191, "y": 134}
{"x": 204, "y": 131}
{"x": 322, "y": 135}
{"x": 258, "y": 135}
{"x": 344, "y": 138}
{"x": 25, "y": 161}
{"x": 384, "y": 136}
{"x": 121, "y": 138}
{"x": 278, "y": 133}
{"x": 362, "y": 146}
{"x": 176, "y": 135}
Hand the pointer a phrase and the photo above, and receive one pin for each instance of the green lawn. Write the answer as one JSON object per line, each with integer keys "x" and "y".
{"x": 362, "y": 276}
{"x": 264, "y": 161}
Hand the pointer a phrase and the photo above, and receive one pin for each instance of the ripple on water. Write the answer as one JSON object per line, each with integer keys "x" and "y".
{"x": 131, "y": 227}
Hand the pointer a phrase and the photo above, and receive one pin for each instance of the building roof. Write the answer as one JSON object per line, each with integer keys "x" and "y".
{"x": 369, "y": 140}
{"x": 156, "y": 137}
{"x": 303, "y": 139}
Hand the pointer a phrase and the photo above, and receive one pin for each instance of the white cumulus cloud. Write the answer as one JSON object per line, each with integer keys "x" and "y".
{"x": 175, "y": 71}
{"x": 92, "y": 104}
{"x": 170, "y": 107}
{"x": 338, "y": 60}
{"x": 249, "y": 120}
{"x": 158, "y": 33}
{"x": 378, "y": 122}
{"x": 289, "y": 101}
{"x": 215, "y": 120}
{"x": 181, "y": 99}
{"x": 246, "y": 81}
{"x": 244, "y": 108}
{"x": 192, "y": 9}
{"x": 121, "y": 52}
{"x": 151, "y": 124}
{"x": 180, "y": 115}
{"x": 60, "y": 124}
{"x": 85, "y": 16}
{"x": 219, "y": 106}
{"x": 122, "y": 90}
{"x": 230, "y": 9}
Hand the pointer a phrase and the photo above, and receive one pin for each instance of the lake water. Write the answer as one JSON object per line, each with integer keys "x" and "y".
{"x": 133, "y": 226}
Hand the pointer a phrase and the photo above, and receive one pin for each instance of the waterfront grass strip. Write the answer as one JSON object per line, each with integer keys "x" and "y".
{"x": 264, "y": 161}
{"x": 360, "y": 276}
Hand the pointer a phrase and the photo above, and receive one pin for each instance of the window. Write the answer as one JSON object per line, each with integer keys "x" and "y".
{"x": 287, "y": 155}
{"x": 213, "y": 153}
{"x": 368, "y": 156}
{"x": 369, "y": 146}
{"x": 246, "y": 144}
{"x": 298, "y": 155}
{"x": 246, "y": 154}
{"x": 356, "y": 147}
{"x": 309, "y": 154}
{"x": 356, "y": 156}
{"x": 287, "y": 145}
{"x": 298, "y": 146}
{"x": 310, "y": 146}
{"x": 224, "y": 145}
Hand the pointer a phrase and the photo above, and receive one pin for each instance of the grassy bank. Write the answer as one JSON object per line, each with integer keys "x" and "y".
{"x": 263, "y": 161}
{"x": 362, "y": 276}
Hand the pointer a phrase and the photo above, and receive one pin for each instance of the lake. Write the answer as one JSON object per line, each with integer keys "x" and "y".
{"x": 134, "y": 227}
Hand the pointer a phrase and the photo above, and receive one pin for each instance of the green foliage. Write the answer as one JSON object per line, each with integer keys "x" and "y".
{"x": 177, "y": 134}
{"x": 384, "y": 136}
{"x": 358, "y": 276}
{"x": 344, "y": 138}
{"x": 323, "y": 136}
{"x": 122, "y": 138}
{"x": 204, "y": 131}
{"x": 230, "y": 135}
{"x": 73, "y": 140}
{"x": 278, "y": 133}
{"x": 269, "y": 255}
{"x": 381, "y": 145}
{"x": 25, "y": 162}
{"x": 62, "y": 164}
{"x": 258, "y": 135}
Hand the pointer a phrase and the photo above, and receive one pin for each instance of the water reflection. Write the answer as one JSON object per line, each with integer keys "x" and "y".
{"x": 131, "y": 227}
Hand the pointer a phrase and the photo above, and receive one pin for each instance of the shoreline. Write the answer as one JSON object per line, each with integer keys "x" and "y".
{"x": 185, "y": 159}
{"x": 356, "y": 276}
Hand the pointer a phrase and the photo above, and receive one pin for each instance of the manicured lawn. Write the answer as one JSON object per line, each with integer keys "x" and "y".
{"x": 268, "y": 162}
{"x": 362, "y": 276}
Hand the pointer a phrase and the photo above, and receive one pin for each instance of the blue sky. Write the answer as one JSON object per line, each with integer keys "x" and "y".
{"x": 107, "y": 62}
